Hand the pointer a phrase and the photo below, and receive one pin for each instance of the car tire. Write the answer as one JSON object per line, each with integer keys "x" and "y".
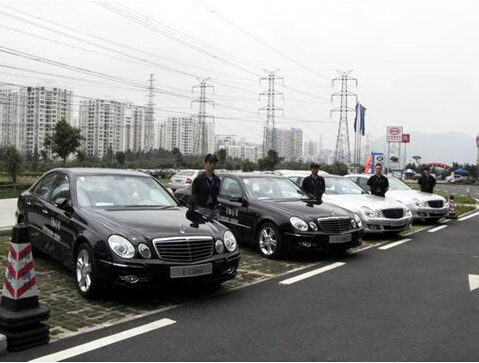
{"x": 270, "y": 241}
{"x": 86, "y": 273}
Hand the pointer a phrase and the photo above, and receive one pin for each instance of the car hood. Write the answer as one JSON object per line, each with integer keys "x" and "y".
{"x": 137, "y": 225}
{"x": 303, "y": 208}
{"x": 354, "y": 202}
{"x": 407, "y": 196}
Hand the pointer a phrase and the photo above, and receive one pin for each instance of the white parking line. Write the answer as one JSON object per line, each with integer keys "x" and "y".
{"x": 445, "y": 221}
{"x": 102, "y": 342}
{"x": 469, "y": 216}
{"x": 292, "y": 280}
{"x": 436, "y": 229}
{"x": 394, "y": 244}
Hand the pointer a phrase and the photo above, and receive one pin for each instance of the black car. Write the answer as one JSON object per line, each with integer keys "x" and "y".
{"x": 275, "y": 214}
{"x": 124, "y": 228}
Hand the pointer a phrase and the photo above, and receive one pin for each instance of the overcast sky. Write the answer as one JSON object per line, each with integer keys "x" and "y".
{"x": 416, "y": 62}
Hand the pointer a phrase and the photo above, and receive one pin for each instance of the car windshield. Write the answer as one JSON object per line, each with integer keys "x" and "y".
{"x": 121, "y": 191}
{"x": 273, "y": 188}
{"x": 396, "y": 184}
{"x": 342, "y": 186}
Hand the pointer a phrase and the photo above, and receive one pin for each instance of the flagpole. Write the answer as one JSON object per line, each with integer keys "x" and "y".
{"x": 355, "y": 137}
{"x": 359, "y": 136}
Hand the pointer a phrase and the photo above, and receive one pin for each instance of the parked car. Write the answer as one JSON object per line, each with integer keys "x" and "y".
{"x": 422, "y": 205}
{"x": 378, "y": 214}
{"x": 463, "y": 180}
{"x": 183, "y": 178}
{"x": 122, "y": 227}
{"x": 272, "y": 213}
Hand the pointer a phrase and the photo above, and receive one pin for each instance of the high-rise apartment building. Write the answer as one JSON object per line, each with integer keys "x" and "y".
{"x": 29, "y": 114}
{"x": 180, "y": 132}
{"x": 290, "y": 143}
{"x": 311, "y": 151}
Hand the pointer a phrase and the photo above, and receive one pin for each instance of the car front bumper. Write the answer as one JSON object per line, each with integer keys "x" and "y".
{"x": 428, "y": 213}
{"x": 319, "y": 240}
{"x": 156, "y": 272}
{"x": 381, "y": 225}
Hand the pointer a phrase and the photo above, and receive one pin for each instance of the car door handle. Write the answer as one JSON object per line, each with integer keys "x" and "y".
{"x": 44, "y": 210}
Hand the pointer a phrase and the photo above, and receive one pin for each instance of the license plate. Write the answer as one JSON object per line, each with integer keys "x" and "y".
{"x": 340, "y": 239}
{"x": 178, "y": 180}
{"x": 437, "y": 213}
{"x": 397, "y": 223}
{"x": 187, "y": 271}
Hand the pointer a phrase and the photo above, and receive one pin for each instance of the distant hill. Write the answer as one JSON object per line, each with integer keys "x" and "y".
{"x": 445, "y": 148}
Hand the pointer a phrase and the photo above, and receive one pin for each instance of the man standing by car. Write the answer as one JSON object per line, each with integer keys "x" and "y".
{"x": 378, "y": 183}
{"x": 205, "y": 190}
{"x": 427, "y": 181}
{"x": 314, "y": 184}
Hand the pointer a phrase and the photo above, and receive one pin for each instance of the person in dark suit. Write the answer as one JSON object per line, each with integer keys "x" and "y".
{"x": 378, "y": 183}
{"x": 427, "y": 181}
{"x": 314, "y": 184}
{"x": 205, "y": 190}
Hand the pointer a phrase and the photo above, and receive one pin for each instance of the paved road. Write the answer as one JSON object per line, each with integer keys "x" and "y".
{"x": 410, "y": 302}
{"x": 7, "y": 212}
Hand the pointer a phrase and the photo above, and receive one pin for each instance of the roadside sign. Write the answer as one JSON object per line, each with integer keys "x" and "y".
{"x": 394, "y": 134}
{"x": 406, "y": 138}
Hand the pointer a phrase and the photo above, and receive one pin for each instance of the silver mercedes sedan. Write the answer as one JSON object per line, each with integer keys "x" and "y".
{"x": 378, "y": 214}
{"x": 422, "y": 205}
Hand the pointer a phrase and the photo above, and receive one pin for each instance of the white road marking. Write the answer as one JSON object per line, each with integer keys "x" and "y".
{"x": 473, "y": 282}
{"x": 436, "y": 229}
{"x": 445, "y": 221}
{"x": 394, "y": 244}
{"x": 469, "y": 216}
{"x": 306, "y": 275}
{"x": 102, "y": 342}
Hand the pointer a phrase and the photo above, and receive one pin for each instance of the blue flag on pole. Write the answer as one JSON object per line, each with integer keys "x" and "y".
{"x": 359, "y": 120}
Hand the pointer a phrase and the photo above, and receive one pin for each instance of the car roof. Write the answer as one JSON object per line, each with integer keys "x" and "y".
{"x": 98, "y": 171}
{"x": 251, "y": 175}
{"x": 305, "y": 173}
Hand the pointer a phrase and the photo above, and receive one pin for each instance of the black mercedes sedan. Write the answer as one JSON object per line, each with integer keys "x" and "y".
{"x": 275, "y": 214}
{"x": 124, "y": 228}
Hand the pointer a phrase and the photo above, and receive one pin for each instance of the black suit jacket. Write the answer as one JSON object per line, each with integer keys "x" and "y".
{"x": 315, "y": 187}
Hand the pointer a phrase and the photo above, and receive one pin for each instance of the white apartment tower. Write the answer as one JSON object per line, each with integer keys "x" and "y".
{"x": 102, "y": 123}
{"x": 29, "y": 114}
{"x": 290, "y": 143}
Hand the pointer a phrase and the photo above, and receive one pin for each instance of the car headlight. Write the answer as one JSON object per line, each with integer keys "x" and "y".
{"x": 298, "y": 223}
{"x": 230, "y": 241}
{"x": 358, "y": 220}
{"x": 313, "y": 226}
{"x": 419, "y": 203}
{"x": 407, "y": 211}
{"x": 144, "y": 250}
{"x": 219, "y": 246}
{"x": 368, "y": 212}
{"x": 353, "y": 224}
{"x": 121, "y": 246}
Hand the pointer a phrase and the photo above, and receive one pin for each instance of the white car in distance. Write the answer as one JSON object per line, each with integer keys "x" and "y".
{"x": 427, "y": 206}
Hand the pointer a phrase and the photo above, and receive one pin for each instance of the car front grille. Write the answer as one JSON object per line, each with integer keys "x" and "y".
{"x": 436, "y": 203}
{"x": 334, "y": 225}
{"x": 184, "y": 249}
{"x": 393, "y": 213}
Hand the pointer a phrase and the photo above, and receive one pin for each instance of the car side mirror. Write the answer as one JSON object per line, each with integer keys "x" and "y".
{"x": 63, "y": 203}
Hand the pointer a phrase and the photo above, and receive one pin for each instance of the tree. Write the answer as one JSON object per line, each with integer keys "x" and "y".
{"x": 13, "y": 162}
{"x": 221, "y": 156}
{"x": 64, "y": 140}
{"x": 178, "y": 157}
{"x": 248, "y": 165}
{"x": 120, "y": 157}
{"x": 270, "y": 162}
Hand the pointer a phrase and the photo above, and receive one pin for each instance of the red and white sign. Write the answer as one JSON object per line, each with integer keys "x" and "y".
{"x": 20, "y": 282}
{"x": 394, "y": 134}
{"x": 406, "y": 138}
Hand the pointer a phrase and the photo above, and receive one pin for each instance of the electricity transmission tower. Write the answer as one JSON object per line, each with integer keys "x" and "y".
{"x": 150, "y": 117}
{"x": 201, "y": 145}
{"x": 269, "y": 133}
{"x": 343, "y": 152}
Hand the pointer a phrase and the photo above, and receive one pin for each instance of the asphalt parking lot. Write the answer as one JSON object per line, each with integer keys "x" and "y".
{"x": 71, "y": 314}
